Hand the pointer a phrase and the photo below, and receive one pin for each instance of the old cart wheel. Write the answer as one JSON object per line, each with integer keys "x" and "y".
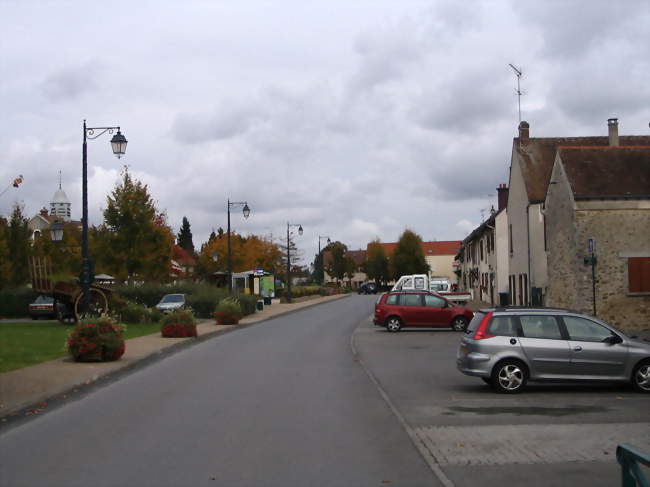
{"x": 97, "y": 307}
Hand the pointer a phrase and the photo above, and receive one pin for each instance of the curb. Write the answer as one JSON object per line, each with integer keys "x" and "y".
{"x": 56, "y": 397}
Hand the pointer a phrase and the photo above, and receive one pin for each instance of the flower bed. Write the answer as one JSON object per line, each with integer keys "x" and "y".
{"x": 228, "y": 312}
{"x": 98, "y": 340}
{"x": 179, "y": 324}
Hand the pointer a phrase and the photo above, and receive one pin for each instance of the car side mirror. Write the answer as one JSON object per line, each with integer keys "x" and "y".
{"x": 613, "y": 339}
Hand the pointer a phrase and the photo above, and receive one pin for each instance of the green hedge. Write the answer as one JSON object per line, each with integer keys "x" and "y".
{"x": 14, "y": 303}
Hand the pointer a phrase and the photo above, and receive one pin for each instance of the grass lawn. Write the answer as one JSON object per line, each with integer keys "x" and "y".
{"x": 32, "y": 342}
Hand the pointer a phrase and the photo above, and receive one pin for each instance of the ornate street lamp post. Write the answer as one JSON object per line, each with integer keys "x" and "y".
{"x": 289, "y": 225}
{"x": 118, "y": 144}
{"x": 246, "y": 211}
{"x": 320, "y": 257}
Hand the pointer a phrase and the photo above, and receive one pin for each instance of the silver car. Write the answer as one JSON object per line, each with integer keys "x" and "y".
{"x": 507, "y": 347}
{"x": 171, "y": 302}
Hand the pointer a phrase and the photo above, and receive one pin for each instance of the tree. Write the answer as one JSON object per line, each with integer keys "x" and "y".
{"x": 376, "y": 264}
{"x": 19, "y": 247}
{"x": 350, "y": 267}
{"x": 184, "y": 238}
{"x": 138, "y": 240}
{"x": 5, "y": 261}
{"x": 408, "y": 257}
{"x": 338, "y": 264}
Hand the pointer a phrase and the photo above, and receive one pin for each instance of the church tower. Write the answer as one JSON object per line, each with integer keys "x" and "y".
{"x": 60, "y": 204}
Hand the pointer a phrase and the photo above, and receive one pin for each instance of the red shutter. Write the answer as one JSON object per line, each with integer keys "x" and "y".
{"x": 638, "y": 269}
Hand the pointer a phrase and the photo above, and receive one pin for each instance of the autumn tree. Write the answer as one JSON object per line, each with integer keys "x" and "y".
{"x": 65, "y": 256}
{"x": 136, "y": 238}
{"x": 376, "y": 264}
{"x": 408, "y": 257}
{"x": 184, "y": 237}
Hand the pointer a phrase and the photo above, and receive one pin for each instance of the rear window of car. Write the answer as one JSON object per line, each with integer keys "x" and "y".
{"x": 537, "y": 326}
{"x": 391, "y": 299}
{"x": 410, "y": 300}
{"x": 473, "y": 325}
{"x": 503, "y": 326}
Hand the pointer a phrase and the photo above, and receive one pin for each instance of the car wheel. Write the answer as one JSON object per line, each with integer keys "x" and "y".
{"x": 459, "y": 323}
{"x": 509, "y": 377}
{"x": 641, "y": 377}
{"x": 394, "y": 324}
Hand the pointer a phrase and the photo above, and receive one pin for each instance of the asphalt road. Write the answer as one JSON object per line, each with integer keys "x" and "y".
{"x": 549, "y": 435}
{"x": 280, "y": 403}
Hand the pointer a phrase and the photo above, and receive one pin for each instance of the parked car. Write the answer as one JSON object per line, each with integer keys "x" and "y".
{"x": 507, "y": 347}
{"x": 42, "y": 307}
{"x": 171, "y": 302}
{"x": 367, "y": 288}
{"x": 397, "y": 310}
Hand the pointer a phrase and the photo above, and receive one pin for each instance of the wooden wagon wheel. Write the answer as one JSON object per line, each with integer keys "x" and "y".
{"x": 97, "y": 307}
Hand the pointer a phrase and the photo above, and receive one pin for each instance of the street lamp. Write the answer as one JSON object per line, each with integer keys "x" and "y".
{"x": 320, "y": 257}
{"x": 118, "y": 144}
{"x": 246, "y": 211}
{"x": 289, "y": 225}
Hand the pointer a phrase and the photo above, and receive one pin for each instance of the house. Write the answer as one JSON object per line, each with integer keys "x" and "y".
{"x": 531, "y": 166}
{"x": 357, "y": 278}
{"x": 182, "y": 262}
{"x": 484, "y": 256}
{"x": 598, "y": 202}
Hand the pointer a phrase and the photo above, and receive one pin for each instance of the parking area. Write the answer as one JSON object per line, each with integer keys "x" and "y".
{"x": 478, "y": 437}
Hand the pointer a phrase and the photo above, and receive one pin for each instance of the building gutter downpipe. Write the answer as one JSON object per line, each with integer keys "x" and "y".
{"x": 528, "y": 238}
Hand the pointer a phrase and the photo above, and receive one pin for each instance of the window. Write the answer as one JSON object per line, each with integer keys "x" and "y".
{"x": 419, "y": 283}
{"x": 392, "y": 299}
{"x": 583, "y": 330}
{"x": 434, "y": 301}
{"x": 410, "y": 300}
{"x": 503, "y": 326}
{"x": 481, "y": 248}
{"x": 638, "y": 273}
{"x": 536, "y": 326}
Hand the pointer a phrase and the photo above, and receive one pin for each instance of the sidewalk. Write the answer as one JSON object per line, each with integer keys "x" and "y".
{"x": 32, "y": 388}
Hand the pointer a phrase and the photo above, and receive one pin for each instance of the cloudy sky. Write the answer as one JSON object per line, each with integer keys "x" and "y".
{"x": 356, "y": 119}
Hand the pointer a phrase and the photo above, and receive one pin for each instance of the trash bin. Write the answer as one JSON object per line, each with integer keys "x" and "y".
{"x": 267, "y": 300}
{"x": 260, "y": 305}
{"x": 503, "y": 299}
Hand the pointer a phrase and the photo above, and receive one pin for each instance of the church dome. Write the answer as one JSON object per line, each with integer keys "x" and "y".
{"x": 60, "y": 197}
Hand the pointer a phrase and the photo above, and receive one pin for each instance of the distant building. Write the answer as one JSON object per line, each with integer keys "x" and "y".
{"x": 60, "y": 210}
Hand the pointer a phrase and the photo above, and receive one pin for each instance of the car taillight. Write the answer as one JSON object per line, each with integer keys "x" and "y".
{"x": 481, "y": 331}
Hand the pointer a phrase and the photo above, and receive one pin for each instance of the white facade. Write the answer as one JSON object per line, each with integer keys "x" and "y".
{"x": 60, "y": 206}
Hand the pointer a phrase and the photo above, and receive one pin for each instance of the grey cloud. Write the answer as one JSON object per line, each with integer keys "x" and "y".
{"x": 71, "y": 82}
{"x": 225, "y": 122}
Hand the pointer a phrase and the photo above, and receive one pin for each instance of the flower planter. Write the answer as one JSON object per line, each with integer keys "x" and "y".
{"x": 96, "y": 341}
{"x": 178, "y": 330}
{"x": 226, "y": 318}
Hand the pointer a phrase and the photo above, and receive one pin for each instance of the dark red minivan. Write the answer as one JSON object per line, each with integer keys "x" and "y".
{"x": 397, "y": 310}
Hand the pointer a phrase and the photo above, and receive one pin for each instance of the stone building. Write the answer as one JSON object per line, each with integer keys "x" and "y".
{"x": 530, "y": 172}
{"x": 599, "y": 199}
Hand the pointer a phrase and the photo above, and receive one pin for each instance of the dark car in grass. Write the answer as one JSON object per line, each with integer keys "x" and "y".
{"x": 42, "y": 307}
{"x": 402, "y": 309}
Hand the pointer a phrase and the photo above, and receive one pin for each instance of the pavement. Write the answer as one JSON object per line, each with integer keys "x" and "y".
{"x": 30, "y": 390}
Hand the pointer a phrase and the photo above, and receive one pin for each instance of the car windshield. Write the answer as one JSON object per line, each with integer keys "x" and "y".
{"x": 172, "y": 298}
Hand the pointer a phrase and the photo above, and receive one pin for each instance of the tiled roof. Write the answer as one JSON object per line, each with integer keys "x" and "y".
{"x": 607, "y": 172}
{"x": 537, "y": 156}
{"x": 444, "y": 247}
{"x": 182, "y": 256}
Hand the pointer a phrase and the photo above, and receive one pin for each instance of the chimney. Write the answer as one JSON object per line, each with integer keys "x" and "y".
{"x": 523, "y": 130}
{"x": 612, "y": 125}
{"x": 502, "y": 192}
{"x": 43, "y": 211}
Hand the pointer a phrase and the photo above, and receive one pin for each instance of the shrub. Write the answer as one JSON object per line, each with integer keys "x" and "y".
{"x": 96, "y": 340}
{"x": 178, "y": 324}
{"x": 155, "y": 315}
{"x": 204, "y": 303}
{"x": 248, "y": 304}
{"x": 14, "y": 303}
{"x": 134, "y": 313}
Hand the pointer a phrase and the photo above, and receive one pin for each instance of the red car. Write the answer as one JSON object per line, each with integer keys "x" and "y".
{"x": 397, "y": 310}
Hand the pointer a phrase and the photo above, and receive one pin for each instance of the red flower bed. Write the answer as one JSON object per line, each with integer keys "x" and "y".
{"x": 96, "y": 341}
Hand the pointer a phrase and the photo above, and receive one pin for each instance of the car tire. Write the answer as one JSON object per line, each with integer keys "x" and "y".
{"x": 459, "y": 323}
{"x": 393, "y": 324}
{"x": 509, "y": 377}
{"x": 641, "y": 377}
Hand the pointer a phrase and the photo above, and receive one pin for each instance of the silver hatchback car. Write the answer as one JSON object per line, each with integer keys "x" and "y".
{"x": 507, "y": 347}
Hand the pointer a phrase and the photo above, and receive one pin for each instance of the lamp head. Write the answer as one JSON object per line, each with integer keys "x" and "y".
{"x": 246, "y": 210}
{"x": 300, "y": 230}
{"x": 56, "y": 231}
{"x": 118, "y": 144}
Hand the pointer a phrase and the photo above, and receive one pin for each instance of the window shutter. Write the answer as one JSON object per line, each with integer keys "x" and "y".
{"x": 639, "y": 274}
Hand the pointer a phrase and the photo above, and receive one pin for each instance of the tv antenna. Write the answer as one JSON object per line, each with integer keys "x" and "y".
{"x": 518, "y": 90}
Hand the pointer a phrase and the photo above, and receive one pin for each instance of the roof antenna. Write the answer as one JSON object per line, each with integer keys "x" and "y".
{"x": 518, "y": 90}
